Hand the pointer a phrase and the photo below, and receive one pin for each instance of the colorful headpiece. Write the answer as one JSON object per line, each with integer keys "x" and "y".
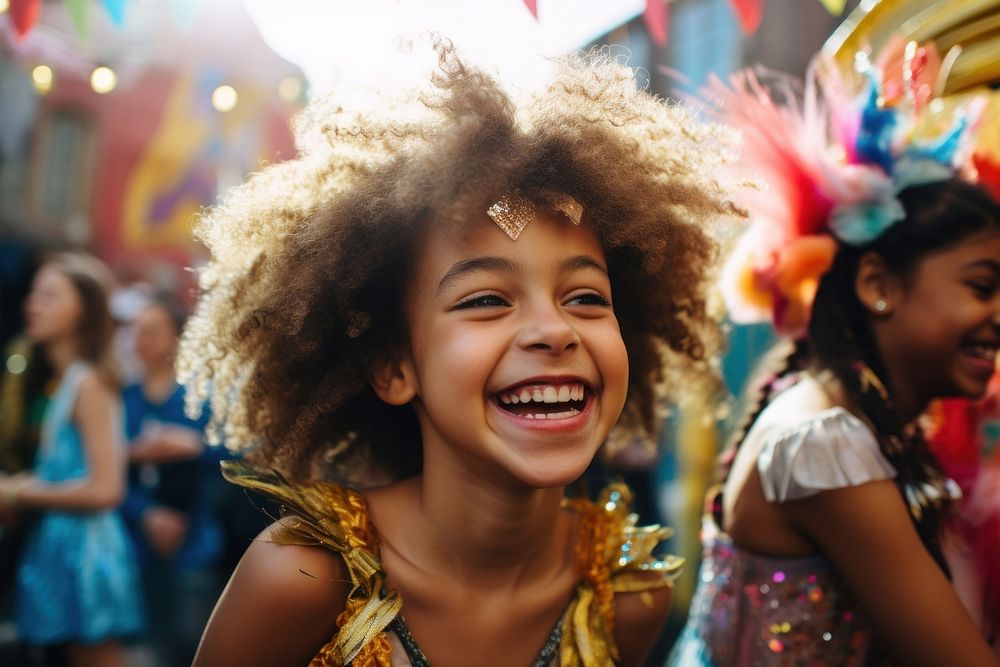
{"x": 832, "y": 165}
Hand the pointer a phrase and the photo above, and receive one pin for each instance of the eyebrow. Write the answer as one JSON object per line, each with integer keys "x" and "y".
{"x": 984, "y": 263}
{"x": 582, "y": 262}
{"x": 504, "y": 265}
{"x": 475, "y": 265}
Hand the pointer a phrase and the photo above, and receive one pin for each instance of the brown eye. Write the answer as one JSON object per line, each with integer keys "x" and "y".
{"x": 589, "y": 299}
{"x": 984, "y": 289}
{"x": 484, "y": 301}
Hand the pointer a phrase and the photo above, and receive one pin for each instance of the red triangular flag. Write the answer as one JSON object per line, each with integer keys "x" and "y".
{"x": 750, "y": 13}
{"x": 532, "y": 6}
{"x": 988, "y": 172}
{"x": 24, "y": 15}
{"x": 657, "y": 20}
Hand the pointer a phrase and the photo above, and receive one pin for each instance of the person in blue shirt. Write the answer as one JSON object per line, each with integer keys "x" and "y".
{"x": 169, "y": 506}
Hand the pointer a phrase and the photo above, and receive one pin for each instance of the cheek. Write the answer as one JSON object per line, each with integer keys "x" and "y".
{"x": 938, "y": 320}
{"x": 612, "y": 357}
{"x": 454, "y": 360}
{"x": 164, "y": 345}
{"x": 70, "y": 313}
{"x": 58, "y": 314}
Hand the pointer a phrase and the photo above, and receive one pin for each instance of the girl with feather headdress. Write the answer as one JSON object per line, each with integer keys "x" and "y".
{"x": 880, "y": 262}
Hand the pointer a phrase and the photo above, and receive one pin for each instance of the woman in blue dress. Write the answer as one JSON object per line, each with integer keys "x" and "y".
{"x": 77, "y": 583}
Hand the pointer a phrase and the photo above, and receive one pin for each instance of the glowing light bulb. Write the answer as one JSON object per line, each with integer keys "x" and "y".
{"x": 224, "y": 98}
{"x": 103, "y": 80}
{"x": 42, "y": 78}
{"x": 16, "y": 364}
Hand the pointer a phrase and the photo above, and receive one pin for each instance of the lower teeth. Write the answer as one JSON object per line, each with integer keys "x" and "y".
{"x": 553, "y": 415}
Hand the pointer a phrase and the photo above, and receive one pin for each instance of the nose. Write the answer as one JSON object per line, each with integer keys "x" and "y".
{"x": 547, "y": 329}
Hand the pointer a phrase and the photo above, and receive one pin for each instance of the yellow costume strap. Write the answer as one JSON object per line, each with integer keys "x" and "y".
{"x": 614, "y": 556}
{"x": 336, "y": 518}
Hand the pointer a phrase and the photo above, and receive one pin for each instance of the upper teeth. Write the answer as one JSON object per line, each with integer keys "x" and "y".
{"x": 984, "y": 351}
{"x": 547, "y": 393}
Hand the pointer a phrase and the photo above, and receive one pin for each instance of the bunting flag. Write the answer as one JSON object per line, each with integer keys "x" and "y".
{"x": 532, "y": 6}
{"x": 184, "y": 13}
{"x": 988, "y": 172}
{"x": 24, "y": 15}
{"x": 835, "y": 7}
{"x": 657, "y": 19}
{"x": 750, "y": 13}
{"x": 79, "y": 12}
{"x": 116, "y": 10}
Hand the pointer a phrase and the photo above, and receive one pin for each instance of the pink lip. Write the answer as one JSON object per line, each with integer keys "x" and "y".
{"x": 980, "y": 365}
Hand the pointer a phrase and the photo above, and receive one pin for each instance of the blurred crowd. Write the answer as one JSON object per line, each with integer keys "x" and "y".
{"x": 114, "y": 521}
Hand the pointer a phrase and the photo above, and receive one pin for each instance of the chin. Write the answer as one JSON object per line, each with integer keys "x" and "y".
{"x": 35, "y": 335}
{"x": 552, "y": 474}
{"x": 965, "y": 388}
{"x": 975, "y": 391}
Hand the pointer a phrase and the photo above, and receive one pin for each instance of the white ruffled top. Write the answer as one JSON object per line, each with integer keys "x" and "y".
{"x": 832, "y": 450}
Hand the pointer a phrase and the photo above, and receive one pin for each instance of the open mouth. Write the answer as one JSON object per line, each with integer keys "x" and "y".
{"x": 984, "y": 351}
{"x": 545, "y": 401}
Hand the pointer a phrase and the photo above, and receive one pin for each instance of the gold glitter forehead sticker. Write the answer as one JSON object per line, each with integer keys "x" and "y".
{"x": 513, "y": 211}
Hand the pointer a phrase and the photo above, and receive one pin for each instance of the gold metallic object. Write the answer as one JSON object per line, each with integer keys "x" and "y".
{"x": 871, "y": 381}
{"x": 513, "y": 211}
{"x": 971, "y": 25}
{"x": 613, "y": 556}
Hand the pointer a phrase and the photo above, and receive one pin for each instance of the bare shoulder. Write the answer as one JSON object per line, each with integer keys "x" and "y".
{"x": 95, "y": 400}
{"x": 808, "y": 398}
{"x": 309, "y": 577}
{"x": 639, "y": 619}
{"x": 93, "y": 387}
{"x": 279, "y": 608}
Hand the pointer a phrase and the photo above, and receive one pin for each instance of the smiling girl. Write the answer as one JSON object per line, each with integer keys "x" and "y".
{"x": 459, "y": 296}
{"x": 822, "y": 543}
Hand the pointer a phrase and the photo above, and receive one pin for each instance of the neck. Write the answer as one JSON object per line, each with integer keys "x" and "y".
{"x": 907, "y": 404}
{"x": 61, "y": 353}
{"x": 485, "y": 530}
{"x": 159, "y": 381}
{"x": 159, "y": 373}
{"x": 906, "y": 399}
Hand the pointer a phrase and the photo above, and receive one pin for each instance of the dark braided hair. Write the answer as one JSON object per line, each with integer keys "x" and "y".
{"x": 840, "y": 339}
{"x": 784, "y": 359}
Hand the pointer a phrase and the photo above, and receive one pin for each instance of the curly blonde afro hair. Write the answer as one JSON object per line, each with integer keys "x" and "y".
{"x": 303, "y": 294}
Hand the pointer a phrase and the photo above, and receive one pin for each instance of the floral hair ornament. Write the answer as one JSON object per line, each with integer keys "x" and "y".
{"x": 833, "y": 163}
{"x": 513, "y": 211}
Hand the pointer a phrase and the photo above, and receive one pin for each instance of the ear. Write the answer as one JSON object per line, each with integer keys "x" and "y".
{"x": 875, "y": 285}
{"x": 394, "y": 380}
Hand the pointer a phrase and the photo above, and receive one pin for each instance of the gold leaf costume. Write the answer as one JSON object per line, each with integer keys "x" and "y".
{"x": 613, "y": 556}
